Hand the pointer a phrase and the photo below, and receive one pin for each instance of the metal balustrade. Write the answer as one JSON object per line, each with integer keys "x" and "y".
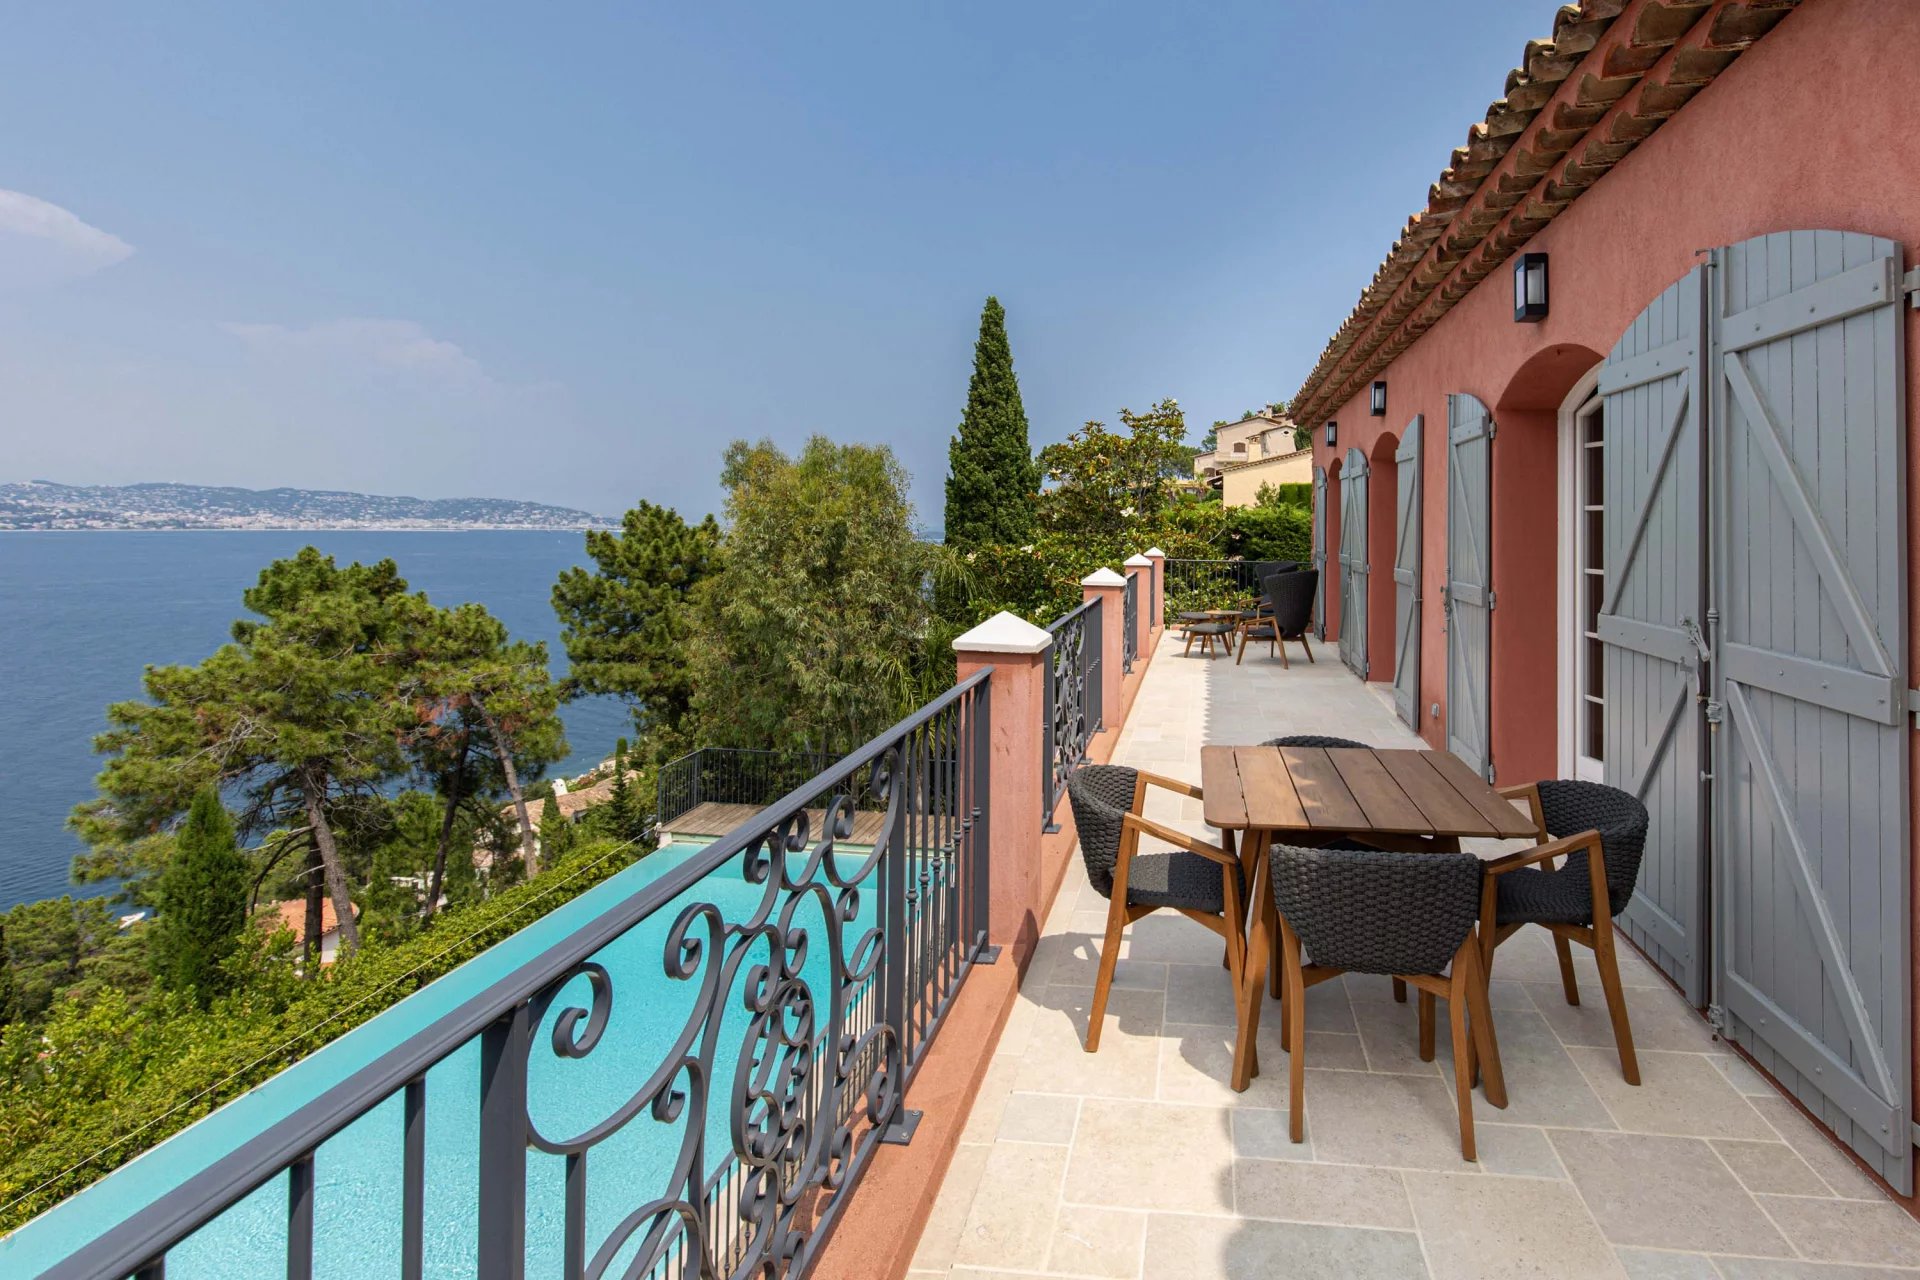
{"x": 1207, "y": 584}
{"x": 1130, "y": 623}
{"x": 1072, "y": 705}
{"x": 815, "y": 975}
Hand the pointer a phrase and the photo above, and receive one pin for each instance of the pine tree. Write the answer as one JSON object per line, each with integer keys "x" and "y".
{"x": 202, "y": 902}
{"x": 991, "y": 473}
{"x": 627, "y": 623}
{"x": 556, "y": 833}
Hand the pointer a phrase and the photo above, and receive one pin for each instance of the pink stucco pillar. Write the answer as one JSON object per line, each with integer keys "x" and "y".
{"x": 1159, "y": 559}
{"x": 1110, "y": 589}
{"x": 1016, "y": 696}
{"x": 1142, "y": 568}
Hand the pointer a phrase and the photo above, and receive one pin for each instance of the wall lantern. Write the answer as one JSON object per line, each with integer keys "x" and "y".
{"x": 1332, "y": 427}
{"x": 1379, "y": 399}
{"x": 1530, "y": 288}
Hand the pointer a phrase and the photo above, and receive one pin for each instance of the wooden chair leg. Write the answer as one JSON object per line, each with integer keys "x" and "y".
{"x": 1400, "y": 990}
{"x": 1188, "y": 651}
{"x": 1608, "y": 962}
{"x": 1426, "y": 1026}
{"x": 1306, "y": 646}
{"x": 1462, "y": 1052}
{"x": 1263, "y": 945}
{"x": 1486, "y": 1047}
{"x": 1564, "y": 950}
{"x": 1281, "y": 645}
{"x": 1295, "y": 1011}
{"x": 1103, "y": 983}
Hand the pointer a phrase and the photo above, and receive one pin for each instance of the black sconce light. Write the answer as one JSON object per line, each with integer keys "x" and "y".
{"x": 1379, "y": 399}
{"x": 1332, "y": 427}
{"x": 1530, "y": 288}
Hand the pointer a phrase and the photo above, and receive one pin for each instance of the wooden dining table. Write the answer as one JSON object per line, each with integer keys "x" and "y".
{"x": 1399, "y": 800}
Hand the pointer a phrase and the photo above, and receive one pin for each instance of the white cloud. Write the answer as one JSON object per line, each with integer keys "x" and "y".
{"x": 401, "y": 346}
{"x": 41, "y": 243}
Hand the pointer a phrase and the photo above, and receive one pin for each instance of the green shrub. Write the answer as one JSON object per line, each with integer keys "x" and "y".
{"x": 99, "y": 1082}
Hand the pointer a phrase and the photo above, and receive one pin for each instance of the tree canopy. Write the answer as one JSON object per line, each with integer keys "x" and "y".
{"x": 809, "y": 636}
{"x": 991, "y": 476}
{"x": 627, "y": 623}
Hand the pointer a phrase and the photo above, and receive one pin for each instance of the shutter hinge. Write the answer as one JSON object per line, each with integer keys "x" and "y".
{"x": 1910, "y": 285}
{"x": 1716, "y": 711}
{"x": 1493, "y": 600}
{"x": 1717, "y": 1018}
{"x": 1913, "y": 706}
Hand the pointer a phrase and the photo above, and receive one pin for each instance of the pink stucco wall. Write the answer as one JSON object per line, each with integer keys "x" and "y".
{"x": 1814, "y": 127}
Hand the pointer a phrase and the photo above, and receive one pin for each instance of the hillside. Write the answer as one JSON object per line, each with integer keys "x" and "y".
{"x": 42, "y": 504}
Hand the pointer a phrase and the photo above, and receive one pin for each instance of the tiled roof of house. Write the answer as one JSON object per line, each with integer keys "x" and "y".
{"x": 1578, "y": 103}
{"x": 292, "y": 915}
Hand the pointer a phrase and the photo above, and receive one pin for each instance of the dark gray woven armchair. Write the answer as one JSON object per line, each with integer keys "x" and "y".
{"x": 1286, "y": 613}
{"x": 1321, "y": 740}
{"x": 1199, "y": 880}
{"x": 1366, "y": 911}
{"x": 1603, "y": 833}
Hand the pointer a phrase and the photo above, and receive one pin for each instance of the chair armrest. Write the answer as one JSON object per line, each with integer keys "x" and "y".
{"x": 1170, "y": 784}
{"x": 1530, "y": 792}
{"x": 1588, "y": 840}
{"x": 1178, "y": 838}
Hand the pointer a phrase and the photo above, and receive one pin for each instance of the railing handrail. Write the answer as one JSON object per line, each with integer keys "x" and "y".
{"x": 1067, "y": 618}
{"x": 113, "y": 1226}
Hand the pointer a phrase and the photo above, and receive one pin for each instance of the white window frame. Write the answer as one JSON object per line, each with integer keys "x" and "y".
{"x": 1573, "y": 764}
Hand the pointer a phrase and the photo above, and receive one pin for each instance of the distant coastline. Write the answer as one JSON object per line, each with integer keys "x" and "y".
{"x": 44, "y": 506}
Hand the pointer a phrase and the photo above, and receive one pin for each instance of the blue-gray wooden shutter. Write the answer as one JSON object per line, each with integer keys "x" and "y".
{"x": 1353, "y": 562}
{"x": 1469, "y": 600}
{"x": 1813, "y": 910}
{"x": 1320, "y": 551}
{"x": 1653, "y": 557}
{"x": 1406, "y": 574}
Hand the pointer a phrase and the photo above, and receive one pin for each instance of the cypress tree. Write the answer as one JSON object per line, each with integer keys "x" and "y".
{"x": 620, "y": 798}
{"x": 556, "y": 833}
{"x": 202, "y": 901}
{"x": 9, "y": 1002}
{"x": 991, "y": 473}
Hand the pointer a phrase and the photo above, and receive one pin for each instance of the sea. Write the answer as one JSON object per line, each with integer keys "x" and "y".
{"x": 82, "y": 615}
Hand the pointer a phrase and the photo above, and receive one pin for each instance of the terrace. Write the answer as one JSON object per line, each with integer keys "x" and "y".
{"x": 845, "y": 1038}
{"x": 1140, "y": 1160}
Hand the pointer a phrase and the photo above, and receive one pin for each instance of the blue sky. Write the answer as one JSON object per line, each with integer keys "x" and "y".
{"x": 566, "y": 252}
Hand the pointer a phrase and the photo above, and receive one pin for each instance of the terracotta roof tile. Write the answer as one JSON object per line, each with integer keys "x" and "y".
{"x": 1578, "y": 103}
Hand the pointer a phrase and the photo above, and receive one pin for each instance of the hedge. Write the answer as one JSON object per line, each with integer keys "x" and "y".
{"x": 78, "y": 1103}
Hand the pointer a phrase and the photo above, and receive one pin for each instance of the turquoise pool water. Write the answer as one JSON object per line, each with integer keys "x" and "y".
{"x": 357, "y": 1221}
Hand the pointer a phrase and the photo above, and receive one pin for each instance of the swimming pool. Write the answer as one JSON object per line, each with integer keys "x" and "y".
{"x": 358, "y": 1172}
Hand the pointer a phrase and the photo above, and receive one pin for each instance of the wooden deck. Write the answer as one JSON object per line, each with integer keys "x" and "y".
{"x": 714, "y": 819}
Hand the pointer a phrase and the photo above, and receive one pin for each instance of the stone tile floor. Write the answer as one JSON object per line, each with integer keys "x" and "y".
{"x": 1139, "y": 1161}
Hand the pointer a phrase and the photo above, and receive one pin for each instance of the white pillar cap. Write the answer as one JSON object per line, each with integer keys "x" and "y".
{"x": 1135, "y": 562}
{"x": 1103, "y": 578}
{"x": 1155, "y": 551}
{"x": 1004, "y": 633}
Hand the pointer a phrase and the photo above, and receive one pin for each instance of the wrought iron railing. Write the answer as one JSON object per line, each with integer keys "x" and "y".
{"x": 726, "y": 775}
{"x": 1208, "y": 584}
{"x": 751, "y": 1017}
{"x": 1130, "y": 623}
{"x": 1072, "y": 706}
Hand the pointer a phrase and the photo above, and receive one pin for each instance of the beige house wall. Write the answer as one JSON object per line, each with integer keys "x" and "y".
{"x": 1240, "y": 485}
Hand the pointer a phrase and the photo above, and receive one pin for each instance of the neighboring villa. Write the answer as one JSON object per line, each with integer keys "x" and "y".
{"x": 291, "y": 915}
{"x": 1256, "y": 451}
{"x": 1256, "y": 436}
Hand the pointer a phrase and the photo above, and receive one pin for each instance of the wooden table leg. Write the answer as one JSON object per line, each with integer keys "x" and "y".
{"x": 1251, "y": 993}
